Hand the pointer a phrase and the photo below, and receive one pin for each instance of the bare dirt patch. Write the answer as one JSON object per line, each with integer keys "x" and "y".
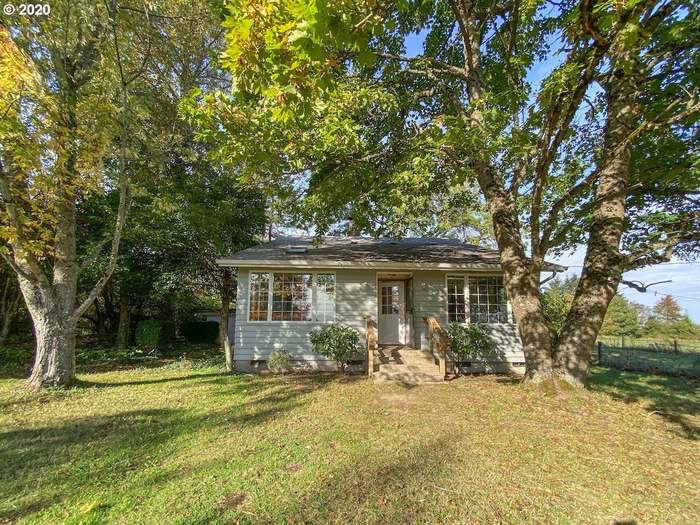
{"x": 234, "y": 500}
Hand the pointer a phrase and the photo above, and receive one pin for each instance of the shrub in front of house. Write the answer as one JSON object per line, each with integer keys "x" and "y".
{"x": 279, "y": 362}
{"x": 154, "y": 334}
{"x": 200, "y": 331}
{"x": 470, "y": 342}
{"x": 337, "y": 342}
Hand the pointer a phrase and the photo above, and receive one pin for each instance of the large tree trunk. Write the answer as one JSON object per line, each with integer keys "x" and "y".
{"x": 224, "y": 340}
{"x": 51, "y": 296}
{"x": 603, "y": 264}
{"x": 54, "y": 362}
{"x": 54, "y": 327}
{"x": 521, "y": 281}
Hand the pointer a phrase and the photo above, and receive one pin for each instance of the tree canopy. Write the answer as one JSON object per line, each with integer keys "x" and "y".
{"x": 569, "y": 124}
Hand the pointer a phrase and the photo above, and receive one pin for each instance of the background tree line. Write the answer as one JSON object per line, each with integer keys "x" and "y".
{"x": 111, "y": 212}
{"x": 664, "y": 321}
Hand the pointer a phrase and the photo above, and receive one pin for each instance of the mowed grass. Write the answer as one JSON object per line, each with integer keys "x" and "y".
{"x": 179, "y": 444}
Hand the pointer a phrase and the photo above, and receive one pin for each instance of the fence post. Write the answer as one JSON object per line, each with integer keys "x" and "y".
{"x": 600, "y": 354}
{"x": 623, "y": 341}
{"x": 675, "y": 345}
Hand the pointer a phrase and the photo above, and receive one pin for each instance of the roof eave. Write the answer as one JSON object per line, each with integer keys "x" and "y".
{"x": 306, "y": 263}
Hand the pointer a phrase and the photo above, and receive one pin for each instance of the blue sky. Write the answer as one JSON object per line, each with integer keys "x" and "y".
{"x": 685, "y": 285}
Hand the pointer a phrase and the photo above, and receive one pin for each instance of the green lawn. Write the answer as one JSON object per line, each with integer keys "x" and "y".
{"x": 182, "y": 444}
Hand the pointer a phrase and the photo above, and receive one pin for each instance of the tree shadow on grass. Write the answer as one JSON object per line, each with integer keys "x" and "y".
{"x": 377, "y": 489}
{"x": 109, "y": 384}
{"x": 675, "y": 399}
{"x": 43, "y": 465}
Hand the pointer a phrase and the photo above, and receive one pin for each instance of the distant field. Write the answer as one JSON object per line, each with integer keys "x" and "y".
{"x": 684, "y": 345}
{"x": 649, "y": 355}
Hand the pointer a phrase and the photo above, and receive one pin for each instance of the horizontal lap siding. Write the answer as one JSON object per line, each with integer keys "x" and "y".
{"x": 430, "y": 298}
{"x": 507, "y": 341}
{"x": 355, "y": 296}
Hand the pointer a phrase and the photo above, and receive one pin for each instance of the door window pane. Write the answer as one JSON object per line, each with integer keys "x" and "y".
{"x": 390, "y": 300}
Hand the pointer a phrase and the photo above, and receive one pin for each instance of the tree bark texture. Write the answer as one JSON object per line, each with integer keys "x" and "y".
{"x": 123, "y": 329}
{"x": 603, "y": 264}
{"x": 54, "y": 328}
{"x": 224, "y": 340}
{"x": 521, "y": 282}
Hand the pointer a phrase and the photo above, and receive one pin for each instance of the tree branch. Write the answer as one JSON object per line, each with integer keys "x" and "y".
{"x": 658, "y": 252}
{"x": 124, "y": 193}
{"x": 438, "y": 66}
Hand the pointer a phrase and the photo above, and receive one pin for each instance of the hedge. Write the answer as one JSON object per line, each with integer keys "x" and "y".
{"x": 153, "y": 333}
{"x": 200, "y": 331}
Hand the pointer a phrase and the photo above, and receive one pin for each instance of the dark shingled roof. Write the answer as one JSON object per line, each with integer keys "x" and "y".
{"x": 364, "y": 252}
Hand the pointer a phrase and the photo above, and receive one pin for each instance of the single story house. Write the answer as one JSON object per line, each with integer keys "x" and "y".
{"x": 290, "y": 285}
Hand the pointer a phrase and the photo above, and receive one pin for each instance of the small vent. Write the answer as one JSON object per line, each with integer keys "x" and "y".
{"x": 297, "y": 249}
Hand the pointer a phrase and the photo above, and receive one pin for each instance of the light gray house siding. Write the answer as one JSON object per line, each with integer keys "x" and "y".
{"x": 430, "y": 298}
{"x": 356, "y": 296}
{"x": 254, "y": 340}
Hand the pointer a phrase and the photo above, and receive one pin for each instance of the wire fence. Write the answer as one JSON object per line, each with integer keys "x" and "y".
{"x": 653, "y": 343}
{"x": 655, "y": 359}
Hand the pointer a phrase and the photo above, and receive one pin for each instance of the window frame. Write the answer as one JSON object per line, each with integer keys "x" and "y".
{"x": 314, "y": 295}
{"x": 467, "y": 307}
{"x": 465, "y": 293}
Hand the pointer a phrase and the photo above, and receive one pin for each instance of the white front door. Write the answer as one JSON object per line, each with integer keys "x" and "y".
{"x": 392, "y": 313}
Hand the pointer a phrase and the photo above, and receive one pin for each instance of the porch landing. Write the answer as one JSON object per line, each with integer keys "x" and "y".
{"x": 406, "y": 365}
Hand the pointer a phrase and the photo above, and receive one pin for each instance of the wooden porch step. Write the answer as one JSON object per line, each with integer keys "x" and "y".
{"x": 417, "y": 357}
{"x": 408, "y": 366}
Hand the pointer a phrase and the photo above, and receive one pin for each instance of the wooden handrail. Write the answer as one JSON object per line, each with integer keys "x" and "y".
{"x": 371, "y": 342}
{"x": 437, "y": 339}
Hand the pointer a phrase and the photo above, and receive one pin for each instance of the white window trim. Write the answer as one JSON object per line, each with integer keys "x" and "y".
{"x": 271, "y": 277}
{"x": 467, "y": 316}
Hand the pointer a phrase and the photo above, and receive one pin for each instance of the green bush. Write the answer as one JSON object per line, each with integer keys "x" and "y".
{"x": 201, "y": 331}
{"x": 470, "y": 342}
{"x": 16, "y": 358}
{"x": 279, "y": 361}
{"x": 154, "y": 334}
{"x": 337, "y": 342}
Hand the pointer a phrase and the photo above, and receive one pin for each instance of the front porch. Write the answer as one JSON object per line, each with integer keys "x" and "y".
{"x": 406, "y": 365}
